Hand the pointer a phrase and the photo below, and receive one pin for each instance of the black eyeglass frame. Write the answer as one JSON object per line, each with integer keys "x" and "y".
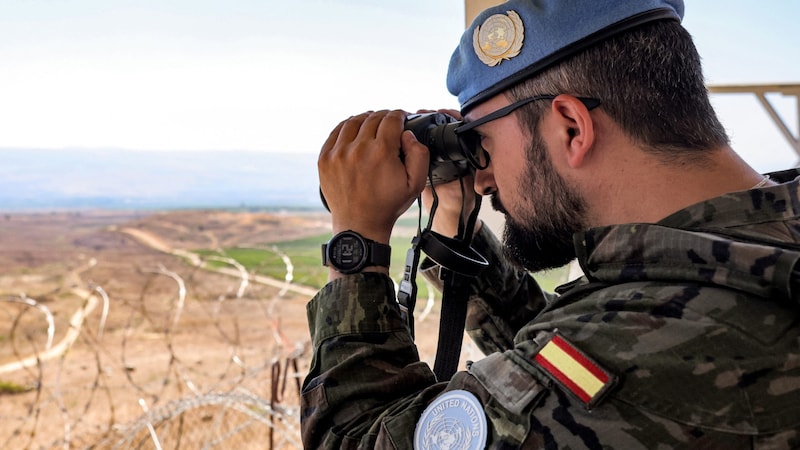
{"x": 463, "y": 130}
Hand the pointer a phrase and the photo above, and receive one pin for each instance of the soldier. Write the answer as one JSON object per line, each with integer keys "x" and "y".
{"x": 595, "y": 137}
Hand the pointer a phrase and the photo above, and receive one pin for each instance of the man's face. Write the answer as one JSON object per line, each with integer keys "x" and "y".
{"x": 541, "y": 209}
{"x": 538, "y": 232}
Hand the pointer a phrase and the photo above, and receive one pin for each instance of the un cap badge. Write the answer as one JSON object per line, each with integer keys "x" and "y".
{"x": 498, "y": 38}
{"x": 455, "y": 421}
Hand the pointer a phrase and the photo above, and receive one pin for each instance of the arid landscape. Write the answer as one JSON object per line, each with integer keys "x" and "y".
{"x": 115, "y": 333}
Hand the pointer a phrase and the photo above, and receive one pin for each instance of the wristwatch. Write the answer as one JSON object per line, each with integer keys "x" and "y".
{"x": 349, "y": 252}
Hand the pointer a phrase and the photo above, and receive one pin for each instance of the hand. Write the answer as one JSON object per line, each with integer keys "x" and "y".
{"x": 371, "y": 172}
{"x": 453, "y": 205}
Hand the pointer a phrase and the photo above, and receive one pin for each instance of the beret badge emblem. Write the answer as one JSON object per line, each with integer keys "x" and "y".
{"x": 498, "y": 38}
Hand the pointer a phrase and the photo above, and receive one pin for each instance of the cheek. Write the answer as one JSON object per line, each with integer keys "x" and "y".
{"x": 509, "y": 165}
{"x": 511, "y": 176}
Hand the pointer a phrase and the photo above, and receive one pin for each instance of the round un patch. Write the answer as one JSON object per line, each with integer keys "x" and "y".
{"x": 454, "y": 421}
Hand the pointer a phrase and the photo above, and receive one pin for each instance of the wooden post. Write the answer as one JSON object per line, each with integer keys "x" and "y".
{"x": 473, "y": 7}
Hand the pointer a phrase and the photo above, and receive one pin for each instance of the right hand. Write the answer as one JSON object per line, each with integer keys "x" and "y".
{"x": 365, "y": 182}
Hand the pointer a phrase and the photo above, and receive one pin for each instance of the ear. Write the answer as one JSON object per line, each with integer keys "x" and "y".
{"x": 572, "y": 116}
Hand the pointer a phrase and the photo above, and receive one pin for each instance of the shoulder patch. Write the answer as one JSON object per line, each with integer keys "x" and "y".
{"x": 454, "y": 420}
{"x": 574, "y": 371}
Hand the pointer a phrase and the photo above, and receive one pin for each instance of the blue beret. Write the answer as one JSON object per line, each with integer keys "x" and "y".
{"x": 516, "y": 39}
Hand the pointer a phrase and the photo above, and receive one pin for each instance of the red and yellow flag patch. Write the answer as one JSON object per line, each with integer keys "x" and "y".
{"x": 574, "y": 370}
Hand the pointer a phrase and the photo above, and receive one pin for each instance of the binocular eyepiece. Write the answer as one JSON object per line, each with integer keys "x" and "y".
{"x": 449, "y": 156}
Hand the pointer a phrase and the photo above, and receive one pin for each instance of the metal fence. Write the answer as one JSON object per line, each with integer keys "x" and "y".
{"x": 195, "y": 360}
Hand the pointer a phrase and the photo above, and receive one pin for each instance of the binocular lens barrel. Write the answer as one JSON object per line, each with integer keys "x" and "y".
{"x": 449, "y": 159}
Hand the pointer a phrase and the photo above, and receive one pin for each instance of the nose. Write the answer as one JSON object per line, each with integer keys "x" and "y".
{"x": 484, "y": 181}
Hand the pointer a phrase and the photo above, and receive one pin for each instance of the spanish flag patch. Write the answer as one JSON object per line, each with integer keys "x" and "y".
{"x": 574, "y": 370}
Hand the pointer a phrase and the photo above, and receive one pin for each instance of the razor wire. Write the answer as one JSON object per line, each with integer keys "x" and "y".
{"x": 75, "y": 381}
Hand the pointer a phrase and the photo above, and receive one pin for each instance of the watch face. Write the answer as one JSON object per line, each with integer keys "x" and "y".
{"x": 347, "y": 252}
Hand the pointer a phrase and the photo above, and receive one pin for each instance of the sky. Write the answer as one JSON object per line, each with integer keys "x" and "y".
{"x": 269, "y": 75}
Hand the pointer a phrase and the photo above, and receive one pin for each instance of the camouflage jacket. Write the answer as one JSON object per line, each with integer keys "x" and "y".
{"x": 681, "y": 334}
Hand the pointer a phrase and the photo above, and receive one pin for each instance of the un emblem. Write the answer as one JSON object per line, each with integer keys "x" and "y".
{"x": 499, "y": 38}
{"x": 454, "y": 421}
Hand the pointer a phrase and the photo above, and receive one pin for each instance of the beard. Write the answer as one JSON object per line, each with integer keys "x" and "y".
{"x": 539, "y": 236}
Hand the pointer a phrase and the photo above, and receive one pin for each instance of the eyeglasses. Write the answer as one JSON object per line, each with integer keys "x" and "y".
{"x": 471, "y": 140}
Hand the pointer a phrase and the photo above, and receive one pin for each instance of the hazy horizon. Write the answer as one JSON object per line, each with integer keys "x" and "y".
{"x": 45, "y": 179}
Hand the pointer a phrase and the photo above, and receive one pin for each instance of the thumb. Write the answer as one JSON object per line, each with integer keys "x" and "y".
{"x": 417, "y": 159}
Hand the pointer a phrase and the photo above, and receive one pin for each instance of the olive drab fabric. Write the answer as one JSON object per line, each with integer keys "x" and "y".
{"x": 694, "y": 320}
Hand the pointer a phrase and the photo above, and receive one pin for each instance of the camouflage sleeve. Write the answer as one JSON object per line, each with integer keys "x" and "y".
{"x": 365, "y": 363}
{"x": 501, "y": 300}
{"x": 367, "y": 389}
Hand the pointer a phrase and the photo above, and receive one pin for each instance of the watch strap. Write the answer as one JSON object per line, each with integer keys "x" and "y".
{"x": 379, "y": 254}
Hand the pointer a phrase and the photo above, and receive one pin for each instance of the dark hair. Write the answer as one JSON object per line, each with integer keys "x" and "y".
{"x": 650, "y": 82}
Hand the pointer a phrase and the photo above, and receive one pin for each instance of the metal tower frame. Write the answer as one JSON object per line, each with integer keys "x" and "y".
{"x": 761, "y": 91}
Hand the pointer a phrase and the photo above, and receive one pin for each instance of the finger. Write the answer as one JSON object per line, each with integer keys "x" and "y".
{"x": 416, "y": 158}
{"x": 369, "y": 128}
{"x": 332, "y": 137}
{"x": 351, "y": 128}
{"x": 452, "y": 112}
{"x": 390, "y": 128}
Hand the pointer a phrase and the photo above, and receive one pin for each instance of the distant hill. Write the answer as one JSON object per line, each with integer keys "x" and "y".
{"x": 129, "y": 179}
